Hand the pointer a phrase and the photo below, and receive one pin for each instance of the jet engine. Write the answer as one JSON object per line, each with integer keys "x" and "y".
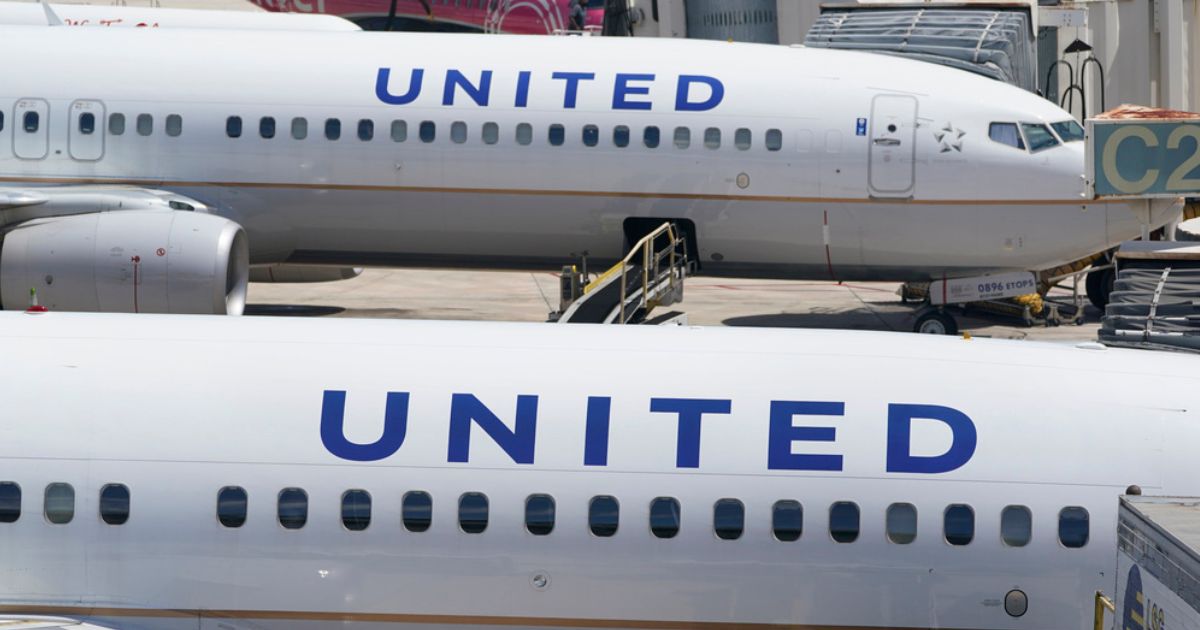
{"x": 149, "y": 261}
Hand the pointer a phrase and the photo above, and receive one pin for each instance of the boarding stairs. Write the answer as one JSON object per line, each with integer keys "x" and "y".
{"x": 1155, "y": 302}
{"x": 651, "y": 275}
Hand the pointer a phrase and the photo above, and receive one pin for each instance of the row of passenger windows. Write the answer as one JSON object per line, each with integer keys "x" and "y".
{"x": 728, "y": 515}
{"x": 523, "y": 133}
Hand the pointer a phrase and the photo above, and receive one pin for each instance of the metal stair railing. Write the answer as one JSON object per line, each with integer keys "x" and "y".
{"x": 647, "y": 278}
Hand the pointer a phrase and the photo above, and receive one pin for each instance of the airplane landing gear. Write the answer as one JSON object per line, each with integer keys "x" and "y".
{"x": 935, "y": 321}
{"x": 1100, "y": 286}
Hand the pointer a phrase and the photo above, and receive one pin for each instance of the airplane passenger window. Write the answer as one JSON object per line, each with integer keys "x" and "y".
{"x": 333, "y": 129}
{"x": 591, "y": 135}
{"x": 539, "y": 514}
{"x": 32, "y": 122}
{"x": 787, "y": 520}
{"x": 664, "y": 517}
{"x": 399, "y": 131}
{"x": 10, "y": 502}
{"x": 427, "y": 131}
{"x": 729, "y": 519}
{"x": 87, "y": 123}
{"x": 174, "y": 125}
{"x": 473, "y": 512}
{"x": 712, "y": 138}
{"x": 233, "y": 126}
{"x": 145, "y": 124}
{"x": 683, "y": 137}
{"x": 60, "y": 503}
{"x": 1007, "y": 134}
{"x": 114, "y": 504}
{"x": 843, "y": 521}
{"x": 557, "y": 135}
{"x": 116, "y": 124}
{"x": 356, "y": 510}
{"x": 1, "y": 121}
{"x": 1016, "y": 525}
{"x": 266, "y": 127}
{"x": 524, "y": 134}
{"x": 299, "y": 128}
{"x": 366, "y": 130}
{"x": 902, "y": 523}
{"x": 742, "y": 138}
{"x": 650, "y": 137}
{"x": 1073, "y": 527}
{"x": 1038, "y": 137}
{"x": 621, "y": 136}
{"x": 491, "y": 133}
{"x": 959, "y": 524}
{"x": 774, "y": 140}
{"x": 231, "y": 506}
{"x": 458, "y": 132}
{"x": 416, "y": 510}
{"x": 293, "y": 508}
{"x": 604, "y": 514}
{"x": 1069, "y": 131}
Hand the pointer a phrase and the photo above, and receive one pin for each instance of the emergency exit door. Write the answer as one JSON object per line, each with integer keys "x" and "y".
{"x": 31, "y": 129}
{"x": 85, "y": 140}
{"x": 891, "y": 171}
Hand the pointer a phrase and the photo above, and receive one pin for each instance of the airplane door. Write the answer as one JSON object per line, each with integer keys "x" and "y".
{"x": 892, "y": 169}
{"x": 31, "y": 129}
{"x": 86, "y": 137}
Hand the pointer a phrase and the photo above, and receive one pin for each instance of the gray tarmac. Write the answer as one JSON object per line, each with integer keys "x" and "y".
{"x": 529, "y": 297}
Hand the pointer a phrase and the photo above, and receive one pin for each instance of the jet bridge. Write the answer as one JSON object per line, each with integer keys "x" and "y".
{"x": 650, "y": 275}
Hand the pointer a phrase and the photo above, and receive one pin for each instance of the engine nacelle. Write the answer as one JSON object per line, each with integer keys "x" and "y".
{"x": 286, "y": 274}
{"x": 148, "y": 261}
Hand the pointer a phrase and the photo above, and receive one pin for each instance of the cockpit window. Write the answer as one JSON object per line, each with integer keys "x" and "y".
{"x": 1038, "y": 136}
{"x": 1006, "y": 133}
{"x": 1068, "y": 130}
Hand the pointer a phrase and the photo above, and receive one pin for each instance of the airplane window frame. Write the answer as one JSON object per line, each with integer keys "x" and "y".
{"x": 1087, "y": 527}
{"x": 1048, "y": 140}
{"x": 590, "y": 135}
{"x": 60, "y": 517}
{"x": 31, "y": 122}
{"x": 111, "y": 510}
{"x": 298, "y": 129}
{"x": 739, "y": 512}
{"x": 673, "y": 517}
{"x": 545, "y": 526}
{"x": 478, "y": 526}
{"x": 489, "y": 133}
{"x": 523, "y": 134}
{"x": 89, "y": 128}
{"x": 233, "y": 127}
{"x": 267, "y": 127}
{"x": 7, "y": 513}
{"x": 651, "y": 137}
{"x": 398, "y": 130}
{"x": 946, "y": 533}
{"x": 1028, "y": 534}
{"x": 365, "y": 130}
{"x": 144, "y": 125}
{"x": 1069, "y": 131}
{"x": 362, "y": 519}
{"x": 845, "y": 536}
{"x": 773, "y": 140}
{"x": 775, "y": 520}
{"x": 292, "y": 524}
{"x": 1, "y": 121}
{"x": 333, "y": 129}
{"x": 116, "y": 124}
{"x": 427, "y": 138}
{"x": 682, "y": 137}
{"x": 621, "y": 136}
{"x": 1016, "y": 129}
{"x": 411, "y": 523}
{"x": 174, "y": 125}
{"x": 593, "y": 526}
{"x": 743, "y": 139}
{"x": 893, "y": 535}
{"x": 239, "y": 519}
{"x": 458, "y": 132}
{"x": 556, "y": 135}
{"x": 712, "y": 138}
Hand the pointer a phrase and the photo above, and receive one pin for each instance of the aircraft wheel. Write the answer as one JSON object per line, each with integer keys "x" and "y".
{"x": 1099, "y": 287}
{"x": 935, "y": 322}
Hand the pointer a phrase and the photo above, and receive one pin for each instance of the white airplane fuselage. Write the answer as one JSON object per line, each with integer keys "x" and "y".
{"x": 884, "y": 167}
{"x": 174, "y": 409}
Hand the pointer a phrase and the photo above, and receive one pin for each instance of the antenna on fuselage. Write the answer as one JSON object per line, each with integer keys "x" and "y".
{"x": 52, "y": 18}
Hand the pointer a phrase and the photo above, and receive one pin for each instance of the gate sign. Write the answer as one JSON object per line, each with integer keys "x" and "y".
{"x": 1144, "y": 158}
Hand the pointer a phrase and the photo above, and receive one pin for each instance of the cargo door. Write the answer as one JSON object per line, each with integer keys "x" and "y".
{"x": 86, "y": 136}
{"x": 892, "y": 169}
{"x": 31, "y": 129}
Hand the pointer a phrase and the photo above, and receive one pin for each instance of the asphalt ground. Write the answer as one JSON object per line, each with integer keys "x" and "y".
{"x": 529, "y": 297}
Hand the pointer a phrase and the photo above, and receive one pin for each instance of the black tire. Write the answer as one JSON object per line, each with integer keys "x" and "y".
{"x": 1100, "y": 286}
{"x": 936, "y": 322}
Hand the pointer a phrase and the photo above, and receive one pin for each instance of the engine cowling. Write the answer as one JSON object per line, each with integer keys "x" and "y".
{"x": 148, "y": 261}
